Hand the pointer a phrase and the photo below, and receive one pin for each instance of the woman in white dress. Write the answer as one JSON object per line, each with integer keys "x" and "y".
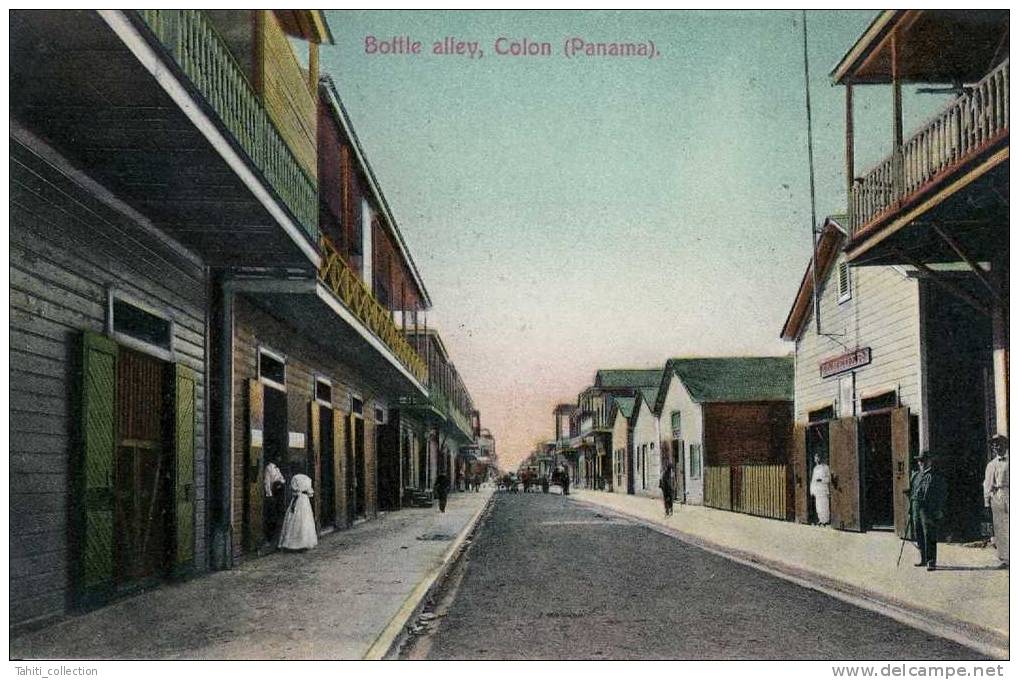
{"x": 299, "y": 523}
{"x": 820, "y": 489}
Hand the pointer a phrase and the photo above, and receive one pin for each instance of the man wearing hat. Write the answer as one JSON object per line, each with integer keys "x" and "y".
{"x": 926, "y": 505}
{"x": 996, "y": 494}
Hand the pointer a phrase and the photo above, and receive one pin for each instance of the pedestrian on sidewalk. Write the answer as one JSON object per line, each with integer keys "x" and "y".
{"x": 442, "y": 490}
{"x": 299, "y": 532}
{"x": 996, "y": 494}
{"x": 926, "y": 505}
{"x": 274, "y": 505}
{"x": 565, "y": 481}
{"x": 820, "y": 489}
{"x": 665, "y": 484}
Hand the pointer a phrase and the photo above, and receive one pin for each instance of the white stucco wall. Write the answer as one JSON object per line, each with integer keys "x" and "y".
{"x": 677, "y": 398}
{"x": 647, "y": 452}
{"x": 619, "y": 432}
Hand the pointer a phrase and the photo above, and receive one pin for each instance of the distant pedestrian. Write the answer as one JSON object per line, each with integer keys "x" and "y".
{"x": 544, "y": 484}
{"x": 442, "y": 490}
{"x": 564, "y": 481}
{"x": 926, "y": 505}
{"x": 996, "y": 494}
{"x": 820, "y": 489}
{"x": 665, "y": 484}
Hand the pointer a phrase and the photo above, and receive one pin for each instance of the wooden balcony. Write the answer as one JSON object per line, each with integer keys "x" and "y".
{"x": 275, "y": 125}
{"x": 965, "y": 132}
{"x": 357, "y": 297}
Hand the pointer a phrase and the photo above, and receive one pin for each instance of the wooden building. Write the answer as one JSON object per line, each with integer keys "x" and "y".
{"x": 621, "y": 415}
{"x": 721, "y": 413}
{"x": 135, "y": 184}
{"x": 938, "y": 205}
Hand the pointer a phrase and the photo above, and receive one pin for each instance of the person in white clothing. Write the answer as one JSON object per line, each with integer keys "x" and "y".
{"x": 299, "y": 531}
{"x": 820, "y": 489}
{"x": 275, "y": 501}
{"x": 996, "y": 494}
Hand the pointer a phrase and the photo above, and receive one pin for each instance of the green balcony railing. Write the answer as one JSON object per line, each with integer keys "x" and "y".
{"x": 196, "y": 47}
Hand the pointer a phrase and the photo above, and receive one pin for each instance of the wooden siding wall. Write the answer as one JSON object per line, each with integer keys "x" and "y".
{"x": 252, "y": 327}
{"x": 739, "y": 433}
{"x": 691, "y": 432}
{"x": 66, "y": 249}
{"x": 330, "y": 188}
{"x": 391, "y": 269}
{"x": 884, "y": 315}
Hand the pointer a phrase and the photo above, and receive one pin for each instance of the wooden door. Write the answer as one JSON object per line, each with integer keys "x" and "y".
{"x": 845, "y": 474}
{"x": 801, "y": 484}
{"x": 185, "y": 398}
{"x": 679, "y": 466}
{"x": 901, "y": 448}
{"x": 253, "y": 524}
{"x": 95, "y": 467}
{"x": 340, "y": 468}
{"x": 315, "y": 459}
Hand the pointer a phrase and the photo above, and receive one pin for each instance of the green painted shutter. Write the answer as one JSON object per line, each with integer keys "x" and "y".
{"x": 184, "y": 454}
{"x": 98, "y": 439}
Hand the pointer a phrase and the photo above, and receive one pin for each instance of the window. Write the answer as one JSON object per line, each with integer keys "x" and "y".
{"x": 380, "y": 415}
{"x": 324, "y": 391}
{"x": 677, "y": 424}
{"x": 880, "y": 401}
{"x": 139, "y": 326}
{"x": 844, "y": 280}
{"x": 695, "y": 461}
{"x": 356, "y": 406}
{"x": 821, "y": 414}
{"x": 272, "y": 368}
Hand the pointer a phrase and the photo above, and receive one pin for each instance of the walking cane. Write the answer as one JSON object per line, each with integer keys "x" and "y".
{"x": 905, "y": 537}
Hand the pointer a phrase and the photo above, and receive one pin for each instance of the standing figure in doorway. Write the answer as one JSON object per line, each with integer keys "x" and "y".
{"x": 275, "y": 501}
{"x": 299, "y": 531}
{"x": 996, "y": 494}
{"x": 820, "y": 489}
{"x": 926, "y": 505}
{"x": 564, "y": 480}
{"x": 442, "y": 490}
{"x": 665, "y": 484}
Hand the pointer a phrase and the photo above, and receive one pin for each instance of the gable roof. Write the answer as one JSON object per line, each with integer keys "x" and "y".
{"x": 627, "y": 377}
{"x": 623, "y": 405}
{"x": 829, "y": 245}
{"x": 731, "y": 379}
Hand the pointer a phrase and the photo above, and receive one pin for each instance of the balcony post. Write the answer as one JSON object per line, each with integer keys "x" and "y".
{"x": 850, "y": 171}
{"x": 897, "y": 167}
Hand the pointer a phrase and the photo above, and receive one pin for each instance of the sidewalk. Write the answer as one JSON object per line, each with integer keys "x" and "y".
{"x": 967, "y": 595}
{"x": 334, "y": 602}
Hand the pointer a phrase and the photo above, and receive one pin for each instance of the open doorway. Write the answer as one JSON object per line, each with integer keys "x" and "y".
{"x": 818, "y": 448}
{"x": 876, "y": 470}
{"x": 327, "y": 483}
{"x": 357, "y": 460}
{"x": 143, "y": 470}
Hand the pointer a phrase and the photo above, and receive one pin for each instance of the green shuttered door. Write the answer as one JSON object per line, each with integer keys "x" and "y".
{"x": 184, "y": 452}
{"x": 99, "y": 372}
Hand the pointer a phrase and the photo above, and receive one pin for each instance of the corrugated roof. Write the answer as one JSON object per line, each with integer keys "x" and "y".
{"x": 735, "y": 378}
{"x": 628, "y": 377}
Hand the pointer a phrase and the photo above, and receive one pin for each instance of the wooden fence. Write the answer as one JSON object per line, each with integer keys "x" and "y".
{"x": 755, "y": 489}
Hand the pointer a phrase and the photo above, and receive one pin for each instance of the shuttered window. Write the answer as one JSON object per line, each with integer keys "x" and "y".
{"x": 844, "y": 281}
{"x": 676, "y": 424}
{"x": 695, "y": 461}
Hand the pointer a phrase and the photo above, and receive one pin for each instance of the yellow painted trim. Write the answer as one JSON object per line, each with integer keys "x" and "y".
{"x": 931, "y": 202}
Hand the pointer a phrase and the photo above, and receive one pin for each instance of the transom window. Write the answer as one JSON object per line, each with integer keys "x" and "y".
{"x": 133, "y": 321}
{"x": 324, "y": 391}
{"x": 272, "y": 368}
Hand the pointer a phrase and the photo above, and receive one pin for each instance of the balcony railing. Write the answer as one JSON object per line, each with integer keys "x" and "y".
{"x": 355, "y": 295}
{"x": 964, "y": 128}
{"x": 196, "y": 47}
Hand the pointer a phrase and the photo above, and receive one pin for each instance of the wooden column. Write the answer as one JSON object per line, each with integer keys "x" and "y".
{"x": 896, "y": 118}
{"x": 313, "y": 67}
{"x": 850, "y": 170}
{"x": 999, "y": 330}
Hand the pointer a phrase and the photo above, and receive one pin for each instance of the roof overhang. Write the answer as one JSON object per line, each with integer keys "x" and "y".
{"x": 305, "y": 24}
{"x": 934, "y": 46}
{"x": 829, "y": 245}
{"x": 309, "y": 307}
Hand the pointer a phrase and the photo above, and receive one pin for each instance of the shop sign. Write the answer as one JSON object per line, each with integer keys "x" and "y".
{"x": 845, "y": 362}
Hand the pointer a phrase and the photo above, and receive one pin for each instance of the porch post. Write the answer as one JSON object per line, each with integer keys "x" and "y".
{"x": 850, "y": 170}
{"x": 898, "y": 170}
{"x": 999, "y": 331}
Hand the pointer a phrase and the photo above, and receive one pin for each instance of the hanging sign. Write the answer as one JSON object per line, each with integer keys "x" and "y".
{"x": 845, "y": 362}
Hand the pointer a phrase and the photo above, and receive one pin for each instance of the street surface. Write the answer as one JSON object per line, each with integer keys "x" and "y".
{"x": 551, "y": 578}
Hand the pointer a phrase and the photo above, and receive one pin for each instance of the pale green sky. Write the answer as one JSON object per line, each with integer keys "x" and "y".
{"x": 569, "y": 214}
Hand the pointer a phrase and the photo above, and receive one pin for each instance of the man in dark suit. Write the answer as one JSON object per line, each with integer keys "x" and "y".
{"x": 927, "y": 492}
